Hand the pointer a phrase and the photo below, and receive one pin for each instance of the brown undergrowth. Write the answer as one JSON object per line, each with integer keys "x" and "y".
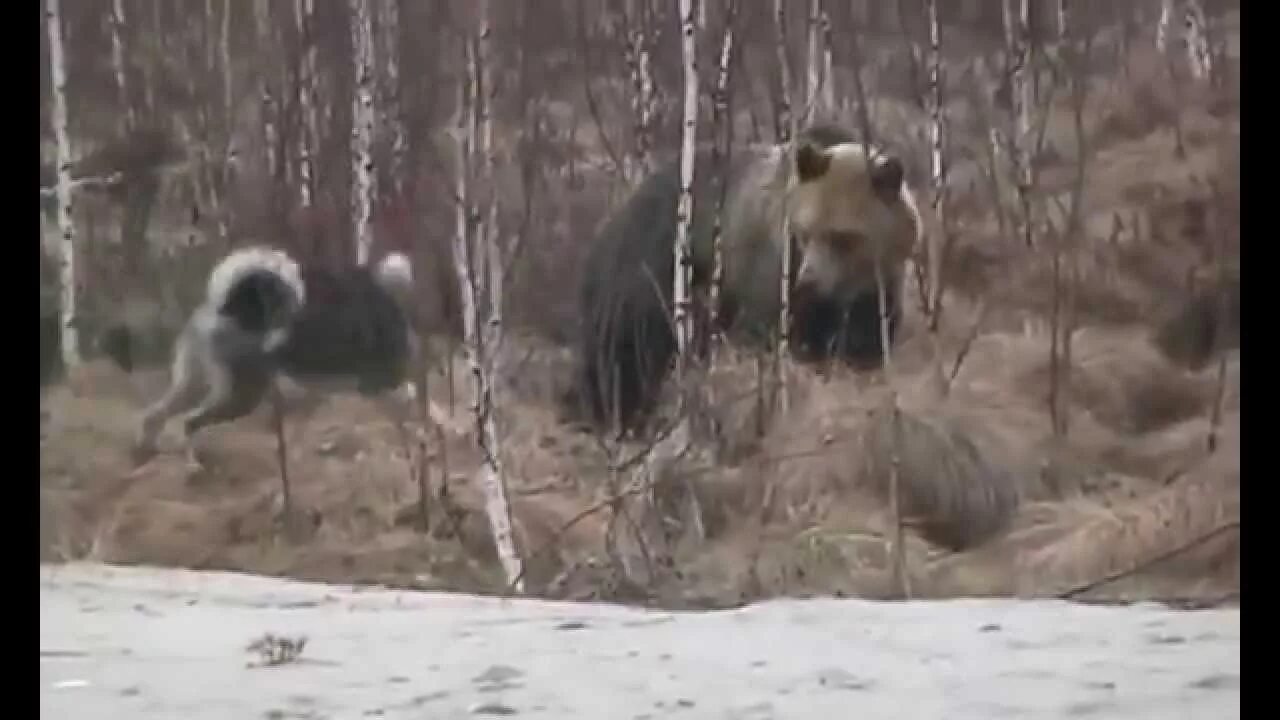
{"x": 1129, "y": 503}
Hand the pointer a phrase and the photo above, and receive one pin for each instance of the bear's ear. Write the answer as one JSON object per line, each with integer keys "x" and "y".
{"x": 887, "y": 176}
{"x": 811, "y": 162}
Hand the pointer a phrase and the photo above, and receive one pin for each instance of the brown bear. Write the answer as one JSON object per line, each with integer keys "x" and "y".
{"x": 843, "y": 206}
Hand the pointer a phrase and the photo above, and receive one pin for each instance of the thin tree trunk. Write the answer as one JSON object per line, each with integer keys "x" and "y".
{"x": 1199, "y": 58}
{"x": 228, "y": 72}
{"x": 785, "y": 127}
{"x": 1163, "y": 25}
{"x": 684, "y": 213}
{"x": 483, "y": 350}
{"x": 270, "y": 120}
{"x": 828, "y": 66}
{"x": 722, "y": 123}
{"x": 784, "y": 121}
{"x": 364, "y": 180}
{"x": 1018, "y": 70}
{"x": 644, "y": 99}
{"x": 393, "y": 117}
{"x": 937, "y": 166}
{"x": 119, "y": 63}
{"x": 814, "y": 64}
{"x": 66, "y": 223}
{"x": 308, "y": 135}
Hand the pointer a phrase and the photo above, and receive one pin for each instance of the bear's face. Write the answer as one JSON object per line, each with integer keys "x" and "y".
{"x": 845, "y": 210}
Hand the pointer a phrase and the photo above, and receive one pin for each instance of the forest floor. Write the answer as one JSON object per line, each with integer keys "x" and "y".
{"x": 1129, "y": 495}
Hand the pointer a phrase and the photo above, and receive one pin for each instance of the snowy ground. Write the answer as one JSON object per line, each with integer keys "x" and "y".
{"x": 151, "y": 644}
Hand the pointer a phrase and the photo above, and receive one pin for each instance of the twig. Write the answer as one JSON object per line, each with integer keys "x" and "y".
{"x": 968, "y": 340}
{"x": 1159, "y": 557}
{"x": 282, "y": 451}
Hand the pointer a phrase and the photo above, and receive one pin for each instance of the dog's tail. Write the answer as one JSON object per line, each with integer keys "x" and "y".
{"x": 395, "y": 274}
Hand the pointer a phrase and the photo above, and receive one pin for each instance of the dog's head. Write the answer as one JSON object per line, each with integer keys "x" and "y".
{"x": 260, "y": 302}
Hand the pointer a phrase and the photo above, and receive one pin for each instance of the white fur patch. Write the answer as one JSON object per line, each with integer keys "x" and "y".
{"x": 234, "y": 267}
{"x": 395, "y": 273}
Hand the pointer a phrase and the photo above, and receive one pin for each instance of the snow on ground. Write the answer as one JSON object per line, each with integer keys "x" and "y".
{"x": 149, "y": 643}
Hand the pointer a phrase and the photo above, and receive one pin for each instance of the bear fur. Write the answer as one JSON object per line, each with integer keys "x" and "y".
{"x": 842, "y": 209}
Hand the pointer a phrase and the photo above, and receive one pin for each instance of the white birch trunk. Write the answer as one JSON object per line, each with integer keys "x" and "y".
{"x": 118, "y": 62}
{"x": 828, "y": 62}
{"x": 937, "y": 157}
{"x": 786, "y": 134}
{"x": 304, "y": 15}
{"x": 1018, "y": 52}
{"x": 785, "y": 118}
{"x": 270, "y": 131}
{"x": 393, "y": 118}
{"x": 483, "y": 344}
{"x": 723, "y": 125}
{"x": 814, "y": 76}
{"x": 1162, "y": 26}
{"x": 363, "y": 185}
{"x": 1197, "y": 38}
{"x": 644, "y": 99}
{"x": 66, "y": 224}
{"x": 228, "y": 76}
{"x": 684, "y": 213}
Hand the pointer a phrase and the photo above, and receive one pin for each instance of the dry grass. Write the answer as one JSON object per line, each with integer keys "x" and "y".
{"x": 792, "y": 502}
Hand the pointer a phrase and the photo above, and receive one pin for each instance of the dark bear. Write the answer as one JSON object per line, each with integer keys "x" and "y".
{"x": 841, "y": 206}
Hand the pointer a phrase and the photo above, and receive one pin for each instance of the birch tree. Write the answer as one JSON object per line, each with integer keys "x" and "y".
{"x": 1196, "y": 35}
{"x": 270, "y": 119}
{"x": 821, "y": 91}
{"x": 644, "y": 95}
{"x": 363, "y": 186}
{"x": 475, "y": 243}
{"x": 1163, "y": 25}
{"x": 937, "y": 164}
{"x": 309, "y": 133}
{"x": 1018, "y": 69}
{"x": 118, "y": 63}
{"x": 785, "y": 127}
{"x": 392, "y": 116}
{"x": 721, "y": 149}
{"x": 684, "y": 213}
{"x": 66, "y": 224}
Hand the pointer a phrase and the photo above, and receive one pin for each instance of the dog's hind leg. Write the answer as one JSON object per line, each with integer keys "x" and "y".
{"x": 234, "y": 391}
{"x": 184, "y": 385}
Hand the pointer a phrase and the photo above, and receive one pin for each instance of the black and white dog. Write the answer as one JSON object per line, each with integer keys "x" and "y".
{"x": 261, "y": 320}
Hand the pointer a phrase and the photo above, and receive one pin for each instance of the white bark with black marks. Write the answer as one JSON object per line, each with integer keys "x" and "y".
{"x": 477, "y": 240}
{"x": 1021, "y": 103}
{"x": 684, "y": 213}
{"x": 270, "y": 127}
{"x": 364, "y": 181}
{"x": 784, "y": 117}
{"x": 937, "y": 163}
{"x": 721, "y": 147}
{"x": 1196, "y": 35}
{"x": 66, "y": 221}
{"x": 393, "y": 118}
{"x": 786, "y": 132}
{"x": 308, "y": 134}
{"x": 644, "y": 96}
